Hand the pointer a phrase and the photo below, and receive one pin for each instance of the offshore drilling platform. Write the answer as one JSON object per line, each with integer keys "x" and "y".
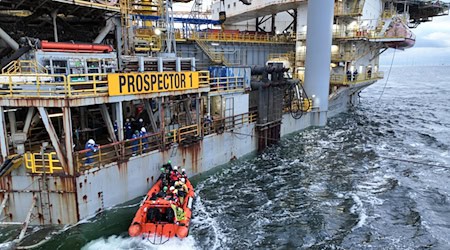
{"x": 81, "y": 78}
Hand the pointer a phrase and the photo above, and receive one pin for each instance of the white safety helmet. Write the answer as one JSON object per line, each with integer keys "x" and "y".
{"x": 183, "y": 170}
{"x": 127, "y": 120}
{"x": 143, "y": 130}
{"x": 91, "y": 142}
{"x": 172, "y": 188}
{"x": 141, "y": 120}
{"x": 183, "y": 180}
{"x": 175, "y": 167}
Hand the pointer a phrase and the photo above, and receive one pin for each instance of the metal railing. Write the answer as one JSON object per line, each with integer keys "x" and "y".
{"x": 121, "y": 151}
{"x": 230, "y": 83}
{"x": 211, "y": 126}
{"x": 334, "y": 56}
{"x": 241, "y": 37}
{"x": 203, "y": 78}
{"x": 62, "y": 86}
{"x": 24, "y": 67}
{"x": 356, "y": 34}
{"x": 87, "y": 85}
{"x": 37, "y": 85}
{"x": 353, "y": 79}
{"x": 39, "y": 163}
{"x": 117, "y": 151}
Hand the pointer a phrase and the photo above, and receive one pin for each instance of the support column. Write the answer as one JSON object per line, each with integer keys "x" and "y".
{"x": 3, "y": 136}
{"x": 68, "y": 138}
{"x": 107, "y": 119}
{"x": 119, "y": 41}
{"x": 28, "y": 120}
{"x": 12, "y": 122}
{"x": 119, "y": 119}
{"x": 273, "y": 28}
{"x": 54, "y": 14}
{"x": 178, "y": 65}
{"x": 11, "y": 42}
{"x": 104, "y": 32}
{"x": 152, "y": 118}
{"x": 318, "y": 57}
{"x": 193, "y": 66}
{"x": 141, "y": 64}
{"x": 53, "y": 138}
{"x": 160, "y": 64}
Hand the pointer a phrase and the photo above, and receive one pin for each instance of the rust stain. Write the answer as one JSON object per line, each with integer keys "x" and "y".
{"x": 5, "y": 183}
{"x": 85, "y": 198}
{"x": 193, "y": 151}
{"x": 68, "y": 184}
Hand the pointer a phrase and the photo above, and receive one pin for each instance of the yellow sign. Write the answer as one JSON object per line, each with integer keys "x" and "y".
{"x": 151, "y": 82}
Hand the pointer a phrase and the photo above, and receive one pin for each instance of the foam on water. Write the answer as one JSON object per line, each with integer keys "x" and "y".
{"x": 125, "y": 243}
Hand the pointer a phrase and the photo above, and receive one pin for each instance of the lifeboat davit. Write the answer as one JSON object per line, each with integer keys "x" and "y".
{"x": 156, "y": 217}
{"x": 399, "y": 30}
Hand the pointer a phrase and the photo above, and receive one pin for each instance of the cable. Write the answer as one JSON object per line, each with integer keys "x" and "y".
{"x": 416, "y": 162}
{"x": 291, "y": 92}
{"x": 389, "y": 74}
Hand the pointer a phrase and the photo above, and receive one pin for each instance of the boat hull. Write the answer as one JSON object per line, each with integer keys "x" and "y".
{"x": 141, "y": 226}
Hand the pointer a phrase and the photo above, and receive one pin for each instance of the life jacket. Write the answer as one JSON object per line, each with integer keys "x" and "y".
{"x": 174, "y": 176}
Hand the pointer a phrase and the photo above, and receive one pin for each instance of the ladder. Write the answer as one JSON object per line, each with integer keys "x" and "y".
{"x": 215, "y": 57}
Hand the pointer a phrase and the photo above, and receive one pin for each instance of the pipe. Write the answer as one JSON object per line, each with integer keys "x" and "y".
{"x": 13, "y": 44}
{"x": 54, "y": 14}
{"x": 74, "y": 47}
{"x": 104, "y": 32}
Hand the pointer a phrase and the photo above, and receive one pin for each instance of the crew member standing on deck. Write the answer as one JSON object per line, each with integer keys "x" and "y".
{"x": 90, "y": 145}
{"x": 143, "y": 135}
{"x": 128, "y": 129}
{"x": 135, "y": 142}
{"x": 116, "y": 130}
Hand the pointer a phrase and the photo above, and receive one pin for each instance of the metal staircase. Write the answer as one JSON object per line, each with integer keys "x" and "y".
{"x": 214, "y": 56}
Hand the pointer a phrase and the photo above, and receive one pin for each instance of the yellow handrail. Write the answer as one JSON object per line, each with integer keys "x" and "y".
{"x": 42, "y": 163}
{"x": 24, "y": 67}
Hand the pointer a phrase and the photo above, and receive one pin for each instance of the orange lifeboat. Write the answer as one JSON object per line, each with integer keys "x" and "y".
{"x": 157, "y": 216}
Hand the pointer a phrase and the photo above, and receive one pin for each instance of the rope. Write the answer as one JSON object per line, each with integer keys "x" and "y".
{"x": 389, "y": 74}
{"x": 416, "y": 162}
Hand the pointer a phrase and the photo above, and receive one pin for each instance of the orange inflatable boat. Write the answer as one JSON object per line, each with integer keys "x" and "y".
{"x": 160, "y": 216}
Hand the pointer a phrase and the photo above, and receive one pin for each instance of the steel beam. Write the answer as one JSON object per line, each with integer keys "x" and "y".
{"x": 108, "y": 122}
{"x": 149, "y": 110}
{"x": 119, "y": 120}
{"x": 54, "y": 15}
{"x": 11, "y": 42}
{"x": 318, "y": 57}
{"x": 27, "y": 220}
{"x": 104, "y": 32}
{"x": 53, "y": 138}
{"x": 28, "y": 120}
{"x": 5, "y": 200}
{"x": 68, "y": 139}
{"x": 3, "y": 136}
{"x": 12, "y": 122}
{"x": 119, "y": 41}
{"x": 178, "y": 64}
